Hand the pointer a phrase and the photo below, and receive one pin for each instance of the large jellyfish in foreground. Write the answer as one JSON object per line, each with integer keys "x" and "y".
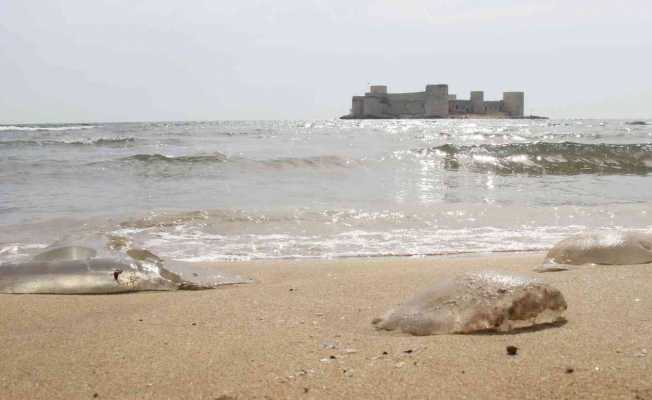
{"x": 475, "y": 302}
{"x": 78, "y": 270}
{"x": 605, "y": 248}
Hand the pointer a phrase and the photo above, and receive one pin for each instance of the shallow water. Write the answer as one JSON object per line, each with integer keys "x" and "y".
{"x": 286, "y": 189}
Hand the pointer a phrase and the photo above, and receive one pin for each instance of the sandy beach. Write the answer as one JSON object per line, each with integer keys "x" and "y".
{"x": 303, "y": 331}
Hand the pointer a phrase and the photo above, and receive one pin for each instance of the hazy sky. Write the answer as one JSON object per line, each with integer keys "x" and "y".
{"x": 119, "y": 60}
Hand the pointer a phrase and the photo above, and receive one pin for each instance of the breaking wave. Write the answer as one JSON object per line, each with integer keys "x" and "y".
{"x": 292, "y": 233}
{"x": 225, "y": 234}
{"x": 566, "y": 158}
{"x": 313, "y": 162}
{"x": 538, "y": 158}
{"x": 160, "y": 158}
{"x": 276, "y": 163}
{"x": 217, "y": 217}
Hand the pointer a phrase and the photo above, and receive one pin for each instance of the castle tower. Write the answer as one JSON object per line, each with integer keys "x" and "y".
{"x": 477, "y": 102}
{"x": 357, "y": 106}
{"x": 374, "y": 102}
{"x": 378, "y": 89}
{"x": 436, "y": 104}
{"x": 514, "y": 103}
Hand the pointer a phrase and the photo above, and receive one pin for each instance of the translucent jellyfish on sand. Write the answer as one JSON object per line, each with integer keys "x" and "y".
{"x": 78, "y": 270}
{"x": 604, "y": 248}
{"x": 473, "y": 302}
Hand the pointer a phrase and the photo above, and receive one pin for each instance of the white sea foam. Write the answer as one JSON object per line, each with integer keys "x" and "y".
{"x": 190, "y": 244}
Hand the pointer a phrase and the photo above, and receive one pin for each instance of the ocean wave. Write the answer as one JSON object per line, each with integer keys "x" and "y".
{"x": 45, "y": 127}
{"x": 314, "y": 162}
{"x": 223, "y": 221}
{"x": 241, "y": 218}
{"x": 195, "y": 245}
{"x": 160, "y": 158}
{"x": 225, "y": 234}
{"x": 76, "y": 142}
{"x": 163, "y": 220}
{"x": 539, "y": 158}
{"x": 231, "y": 234}
{"x": 275, "y": 163}
{"x": 228, "y": 234}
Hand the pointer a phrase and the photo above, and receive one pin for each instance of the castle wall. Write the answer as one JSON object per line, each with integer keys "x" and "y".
{"x": 477, "y": 102}
{"x": 406, "y": 103}
{"x": 493, "y": 107}
{"x": 436, "y": 103}
{"x": 414, "y": 96}
{"x": 357, "y": 105}
{"x": 514, "y": 103}
{"x": 373, "y": 106}
{"x": 406, "y": 107}
{"x": 460, "y": 107}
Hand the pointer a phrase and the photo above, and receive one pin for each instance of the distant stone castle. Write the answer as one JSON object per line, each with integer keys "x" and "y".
{"x": 435, "y": 102}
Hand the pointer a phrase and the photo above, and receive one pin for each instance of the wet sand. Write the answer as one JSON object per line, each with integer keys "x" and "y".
{"x": 303, "y": 331}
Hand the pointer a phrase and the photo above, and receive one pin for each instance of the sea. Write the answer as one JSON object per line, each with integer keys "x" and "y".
{"x": 258, "y": 190}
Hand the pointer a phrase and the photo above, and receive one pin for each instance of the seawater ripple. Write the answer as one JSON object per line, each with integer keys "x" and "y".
{"x": 216, "y": 157}
{"x": 157, "y": 158}
{"x": 565, "y": 158}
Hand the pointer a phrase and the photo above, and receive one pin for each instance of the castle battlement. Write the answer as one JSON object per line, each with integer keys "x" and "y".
{"x": 434, "y": 102}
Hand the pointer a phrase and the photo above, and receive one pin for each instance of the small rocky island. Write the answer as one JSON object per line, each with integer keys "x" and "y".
{"x": 434, "y": 102}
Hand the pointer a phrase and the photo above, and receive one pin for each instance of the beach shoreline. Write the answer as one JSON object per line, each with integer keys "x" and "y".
{"x": 303, "y": 330}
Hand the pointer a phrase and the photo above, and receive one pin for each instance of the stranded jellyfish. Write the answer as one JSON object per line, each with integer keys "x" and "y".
{"x": 475, "y": 302}
{"x": 605, "y": 248}
{"x": 77, "y": 270}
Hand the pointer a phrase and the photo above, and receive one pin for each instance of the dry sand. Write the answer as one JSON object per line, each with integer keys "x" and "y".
{"x": 273, "y": 339}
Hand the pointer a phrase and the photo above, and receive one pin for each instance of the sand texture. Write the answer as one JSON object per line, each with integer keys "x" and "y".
{"x": 304, "y": 331}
